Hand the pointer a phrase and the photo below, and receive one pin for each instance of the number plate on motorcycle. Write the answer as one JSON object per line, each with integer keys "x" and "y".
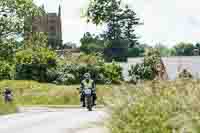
{"x": 88, "y": 91}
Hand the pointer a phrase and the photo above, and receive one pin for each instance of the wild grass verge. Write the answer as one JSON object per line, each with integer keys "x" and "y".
{"x": 156, "y": 107}
{"x": 7, "y": 108}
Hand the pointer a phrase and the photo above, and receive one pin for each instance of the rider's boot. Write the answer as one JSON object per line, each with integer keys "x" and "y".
{"x": 83, "y": 104}
{"x": 93, "y": 102}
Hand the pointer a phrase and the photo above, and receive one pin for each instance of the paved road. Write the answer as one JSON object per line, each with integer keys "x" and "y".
{"x": 51, "y": 121}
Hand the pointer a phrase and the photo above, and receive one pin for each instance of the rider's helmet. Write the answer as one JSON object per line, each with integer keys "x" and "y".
{"x": 87, "y": 75}
{"x": 7, "y": 88}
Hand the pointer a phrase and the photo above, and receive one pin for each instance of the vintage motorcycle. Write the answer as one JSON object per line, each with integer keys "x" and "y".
{"x": 88, "y": 98}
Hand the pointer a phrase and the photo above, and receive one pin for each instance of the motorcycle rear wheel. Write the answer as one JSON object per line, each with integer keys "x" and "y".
{"x": 89, "y": 103}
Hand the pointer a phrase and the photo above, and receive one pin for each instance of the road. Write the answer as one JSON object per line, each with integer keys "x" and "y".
{"x": 43, "y": 120}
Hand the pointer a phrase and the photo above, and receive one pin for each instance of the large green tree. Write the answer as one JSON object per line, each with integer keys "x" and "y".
{"x": 121, "y": 26}
{"x": 7, "y": 60}
{"x": 120, "y": 21}
{"x": 100, "y": 11}
{"x": 13, "y": 14}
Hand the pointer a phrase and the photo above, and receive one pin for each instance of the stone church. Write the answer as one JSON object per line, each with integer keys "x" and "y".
{"x": 49, "y": 23}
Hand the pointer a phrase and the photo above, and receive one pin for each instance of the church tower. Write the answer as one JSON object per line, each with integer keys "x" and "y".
{"x": 59, "y": 25}
{"x": 50, "y": 23}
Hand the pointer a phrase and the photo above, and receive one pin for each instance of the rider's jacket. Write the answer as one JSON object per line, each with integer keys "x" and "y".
{"x": 7, "y": 92}
{"x": 90, "y": 85}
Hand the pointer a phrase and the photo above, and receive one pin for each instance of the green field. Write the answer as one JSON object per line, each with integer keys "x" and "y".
{"x": 34, "y": 93}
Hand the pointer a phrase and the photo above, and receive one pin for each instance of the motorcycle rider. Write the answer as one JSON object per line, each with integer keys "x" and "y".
{"x": 8, "y": 95}
{"x": 87, "y": 82}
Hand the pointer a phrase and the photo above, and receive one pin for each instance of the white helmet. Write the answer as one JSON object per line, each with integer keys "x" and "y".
{"x": 87, "y": 75}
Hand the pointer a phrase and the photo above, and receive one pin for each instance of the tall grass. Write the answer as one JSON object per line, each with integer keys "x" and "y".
{"x": 6, "y": 108}
{"x": 156, "y": 107}
{"x": 34, "y": 93}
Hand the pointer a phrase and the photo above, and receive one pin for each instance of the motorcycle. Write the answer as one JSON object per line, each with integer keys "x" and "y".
{"x": 8, "y": 97}
{"x": 88, "y": 98}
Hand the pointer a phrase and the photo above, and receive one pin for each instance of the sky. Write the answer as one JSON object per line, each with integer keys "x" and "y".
{"x": 165, "y": 21}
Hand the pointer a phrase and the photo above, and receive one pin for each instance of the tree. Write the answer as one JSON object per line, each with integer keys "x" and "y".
{"x": 13, "y": 14}
{"x": 34, "y": 61}
{"x": 33, "y": 64}
{"x": 138, "y": 50}
{"x": 184, "y": 49}
{"x": 128, "y": 23}
{"x": 120, "y": 34}
{"x": 100, "y": 11}
{"x": 164, "y": 51}
{"x": 6, "y": 70}
{"x": 87, "y": 38}
{"x": 121, "y": 26}
{"x": 69, "y": 45}
{"x": 197, "y": 47}
{"x": 91, "y": 43}
{"x": 172, "y": 52}
{"x": 7, "y": 50}
{"x": 120, "y": 21}
{"x": 7, "y": 59}
{"x": 36, "y": 40}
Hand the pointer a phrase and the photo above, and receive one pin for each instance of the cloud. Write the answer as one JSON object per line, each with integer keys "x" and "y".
{"x": 168, "y": 21}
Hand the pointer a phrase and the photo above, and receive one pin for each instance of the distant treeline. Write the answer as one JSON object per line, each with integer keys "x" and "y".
{"x": 93, "y": 43}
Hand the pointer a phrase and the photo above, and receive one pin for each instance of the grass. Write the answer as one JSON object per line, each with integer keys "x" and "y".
{"x": 34, "y": 93}
{"x": 156, "y": 107}
{"x": 7, "y": 108}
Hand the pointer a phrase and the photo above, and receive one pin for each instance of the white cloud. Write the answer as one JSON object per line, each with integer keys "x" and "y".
{"x": 168, "y": 21}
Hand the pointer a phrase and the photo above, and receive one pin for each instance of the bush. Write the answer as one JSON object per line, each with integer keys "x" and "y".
{"x": 35, "y": 64}
{"x": 7, "y": 58}
{"x": 36, "y": 72}
{"x": 100, "y": 72}
{"x": 157, "y": 107}
{"x": 92, "y": 48}
{"x": 7, "y": 50}
{"x": 91, "y": 59}
{"x": 113, "y": 72}
{"x": 6, "y": 70}
{"x": 73, "y": 73}
{"x": 147, "y": 69}
{"x": 36, "y": 56}
{"x": 140, "y": 71}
